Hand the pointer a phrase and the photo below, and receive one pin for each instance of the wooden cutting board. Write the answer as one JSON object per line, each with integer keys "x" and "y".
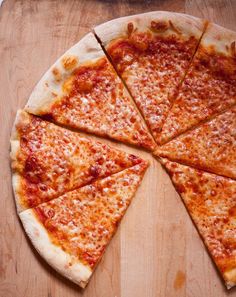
{"x": 157, "y": 251}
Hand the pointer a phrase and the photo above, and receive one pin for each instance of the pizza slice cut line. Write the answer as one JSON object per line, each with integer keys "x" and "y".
{"x": 71, "y": 232}
{"x": 48, "y": 160}
{"x": 131, "y": 44}
{"x": 210, "y": 147}
{"x": 82, "y": 91}
{"x": 210, "y": 201}
{"x": 209, "y": 87}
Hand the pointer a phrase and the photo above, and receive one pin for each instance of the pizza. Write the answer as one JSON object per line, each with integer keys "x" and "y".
{"x": 152, "y": 53}
{"x": 161, "y": 81}
{"x": 211, "y": 202}
{"x": 72, "y": 231}
{"x": 210, "y": 84}
{"x": 82, "y": 91}
{"x": 211, "y": 146}
{"x": 48, "y": 160}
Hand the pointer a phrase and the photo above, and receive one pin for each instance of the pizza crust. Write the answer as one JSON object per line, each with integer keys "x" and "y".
{"x": 230, "y": 278}
{"x": 15, "y": 149}
{"x": 220, "y": 38}
{"x": 49, "y": 88}
{"x": 188, "y": 25}
{"x": 64, "y": 263}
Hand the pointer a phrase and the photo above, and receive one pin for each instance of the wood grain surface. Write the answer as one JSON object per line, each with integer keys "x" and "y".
{"x": 157, "y": 251}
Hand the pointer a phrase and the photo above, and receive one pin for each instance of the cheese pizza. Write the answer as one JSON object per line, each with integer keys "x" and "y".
{"x": 168, "y": 73}
{"x": 210, "y": 85}
{"x": 82, "y": 90}
{"x": 211, "y": 202}
{"x": 72, "y": 231}
{"x": 48, "y": 161}
{"x": 211, "y": 146}
{"x": 152, "y": 53}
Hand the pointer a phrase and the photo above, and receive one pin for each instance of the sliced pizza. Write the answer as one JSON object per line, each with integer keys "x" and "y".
{"x": 82, "y": 90}
{"x": 152, "y": 52}
{"x": 211, "y": 146}
{"x": 48, "y": 160}
{"x": 71, "y": 232}
{"x": 210, "y": 85}
{"x": 211, "y": 202}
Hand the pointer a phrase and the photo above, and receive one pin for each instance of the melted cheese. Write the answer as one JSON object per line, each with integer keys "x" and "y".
{"x": 211, "y": 146}
{"x": 211, "y": 202}
{"x": 153, "y": 73}
{"x": 83, "y": 221}
{"x": 53, "y": 160}
{"x": 96, "y": 101}
{"x": 209, "y": 88}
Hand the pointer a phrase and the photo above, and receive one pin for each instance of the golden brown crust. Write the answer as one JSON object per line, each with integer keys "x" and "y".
{"x": 54, "y": 255}
{"x": 67, "y": 230}
{"x": 167, "y": 23}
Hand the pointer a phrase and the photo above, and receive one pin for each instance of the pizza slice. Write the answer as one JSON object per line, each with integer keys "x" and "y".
{"x": 211, "y": 202}
{"x": 211, "y": 146}
{"x": 82, "y": 91}
{"x": 152, "y": 52}
{"x": 48, "y": 160}
{"x": 210, "y": 85}
{"x": 71, "y": 232}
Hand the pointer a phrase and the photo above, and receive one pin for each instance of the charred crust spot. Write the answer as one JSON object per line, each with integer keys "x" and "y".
{"x": 69, "y": 62}
{"x": 57, "y": 74}
{"x": 130, "y": 29}
{"x": 159, "y": 26}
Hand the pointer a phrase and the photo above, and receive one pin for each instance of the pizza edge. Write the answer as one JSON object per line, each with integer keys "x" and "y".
{"x": 49, "y": 86}
{"x": 55, "y": 256}
{"x": 24, "y": 118}
{"x": 48, "y": 90}
{"x": 114, "y": 29}
{"x": 166, "y": 150}
{"x": 221, "y": 38}
{"x": 64, "y": 263}
{"x": 224, "y": 42}
{"x": 186, "y": 25}
{"x": 229, "y": 276}
{"x": 21, "y": 117}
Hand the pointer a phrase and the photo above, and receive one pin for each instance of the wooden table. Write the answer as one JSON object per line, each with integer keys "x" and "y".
{"x": 157, "y": 251}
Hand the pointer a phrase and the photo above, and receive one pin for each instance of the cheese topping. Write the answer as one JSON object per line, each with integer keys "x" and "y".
{"x": 211, "y": 202}
{"x": 211, "y": 146}
{"x": 96, "y": 101}
{"x": 83, "y": 221}
{"x": 209, "y": 88}
{"x": 53, "y": 160}
{"x": 153, "y": 67}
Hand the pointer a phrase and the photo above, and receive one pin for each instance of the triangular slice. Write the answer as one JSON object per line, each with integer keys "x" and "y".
{"x": 211, "y": 202}
{"x": 210, "y": 85}
{"x": 48, "y": 160}
{"x": 152, "y": 52}
{"x": 72, "y": 231}
{"x": 211, "y": 146}
{"x": 82, "y": 90}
